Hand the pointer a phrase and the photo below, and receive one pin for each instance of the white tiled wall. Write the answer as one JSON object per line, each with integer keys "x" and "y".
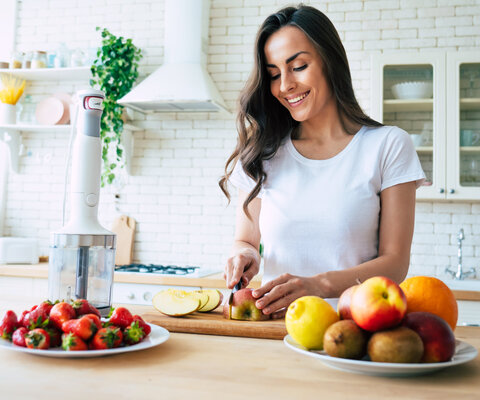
{"x": 173, "y": 194}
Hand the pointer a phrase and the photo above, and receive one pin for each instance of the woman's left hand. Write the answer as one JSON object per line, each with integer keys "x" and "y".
{"x": 275, "y": 296}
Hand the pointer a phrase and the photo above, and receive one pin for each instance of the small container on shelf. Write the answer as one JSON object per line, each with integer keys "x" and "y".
{"x": 27, "y": 113}
{"x": 39, "y": 59}
{"x": 51, "y": 56}
{"x": 16, "y": 61}
{"x": 27, "y": 60}
{"x": 77, "y": 58}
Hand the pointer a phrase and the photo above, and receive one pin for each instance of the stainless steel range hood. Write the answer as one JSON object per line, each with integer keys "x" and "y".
{"x": 182, "y": 83}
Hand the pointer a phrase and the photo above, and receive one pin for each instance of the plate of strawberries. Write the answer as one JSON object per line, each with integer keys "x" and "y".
{"x": 75, "y": 329}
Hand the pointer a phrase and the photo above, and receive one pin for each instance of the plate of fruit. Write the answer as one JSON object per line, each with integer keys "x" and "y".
{"x": 76, "y": 330}
{"x": 381, "y": 328}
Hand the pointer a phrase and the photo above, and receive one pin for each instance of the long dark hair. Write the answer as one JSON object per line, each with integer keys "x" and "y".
{"x": 263, "y": 122}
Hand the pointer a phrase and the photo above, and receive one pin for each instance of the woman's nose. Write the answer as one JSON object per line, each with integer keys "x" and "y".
{"x": 287, "y": 83}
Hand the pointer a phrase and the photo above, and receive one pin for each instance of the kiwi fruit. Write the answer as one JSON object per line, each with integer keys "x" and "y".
{"x": 398, "y": 345}
{"x": 345, "y": 339}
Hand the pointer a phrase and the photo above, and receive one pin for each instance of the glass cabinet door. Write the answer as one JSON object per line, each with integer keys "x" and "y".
{"x": 469, "y": 124}
{"x": 464, "y": 125}
{"x": 411, "y": 97}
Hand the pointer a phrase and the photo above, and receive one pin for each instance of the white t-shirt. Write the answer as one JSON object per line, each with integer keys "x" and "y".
{"x": 322, "y": 215}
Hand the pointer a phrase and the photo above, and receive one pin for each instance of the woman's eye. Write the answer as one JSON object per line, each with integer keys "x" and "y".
{"x": 300, "y": 68}
{"x": 274, "y": 77}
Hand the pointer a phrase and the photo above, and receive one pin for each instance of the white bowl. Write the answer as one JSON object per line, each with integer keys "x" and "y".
{"x": 413, "y": 90}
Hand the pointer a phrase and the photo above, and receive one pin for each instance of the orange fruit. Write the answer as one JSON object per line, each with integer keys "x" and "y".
{"x": 426, "y": 293}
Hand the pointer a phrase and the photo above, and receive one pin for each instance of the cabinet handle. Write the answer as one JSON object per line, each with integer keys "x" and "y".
{"x": 451, "y": 191}
{"x": 147, "y": 296}
{"x": 441, "y": 190}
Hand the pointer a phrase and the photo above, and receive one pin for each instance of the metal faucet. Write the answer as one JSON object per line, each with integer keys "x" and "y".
{"x": 459, "y": 274}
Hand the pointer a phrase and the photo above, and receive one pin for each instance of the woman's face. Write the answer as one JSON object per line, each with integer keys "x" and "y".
{"x": 296, "y": 72}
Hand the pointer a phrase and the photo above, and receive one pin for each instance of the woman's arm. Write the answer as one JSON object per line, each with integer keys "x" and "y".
{"x": 244, "y": 262}
{"x": 395, "y": 238}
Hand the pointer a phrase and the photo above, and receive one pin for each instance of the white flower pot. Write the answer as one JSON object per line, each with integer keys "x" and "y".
{"x": 8, "y": 114}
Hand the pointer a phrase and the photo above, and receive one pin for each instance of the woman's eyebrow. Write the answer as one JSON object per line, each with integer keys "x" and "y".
{"x": 289, "y": 59}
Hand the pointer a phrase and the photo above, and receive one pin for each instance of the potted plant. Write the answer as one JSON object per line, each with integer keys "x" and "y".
{"x": 114, "y": 71}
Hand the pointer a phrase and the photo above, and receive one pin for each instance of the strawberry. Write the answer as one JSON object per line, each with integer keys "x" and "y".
{"x": 60, "y": 313}
{"x": 71, "y": 342}
{"x": 55, "y": 336}
{"x": 107, "y": 338}
{"x": 121, "y": 317}
{"x": 133, "y": 334}
{"x": 18, "y": 337}
{"x": 37, "y": 317}
{"x": 146, "y": 328}
{"x": 20, "y": 319}
{"x": 83, "y": 307}
{"x": 96, "y": 320}
{"x": 8, "y": 324}
{"x": 37, "y": 339}
{"x": 83, "y": 327}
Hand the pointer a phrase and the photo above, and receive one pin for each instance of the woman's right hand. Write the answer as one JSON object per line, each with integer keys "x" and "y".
{"x": 243, "y": 265}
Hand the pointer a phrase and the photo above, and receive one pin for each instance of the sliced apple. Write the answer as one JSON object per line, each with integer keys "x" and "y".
{"x": 200, "y": 295}
{"x": 215, "y": 298}
{"x": 175, "y": 303}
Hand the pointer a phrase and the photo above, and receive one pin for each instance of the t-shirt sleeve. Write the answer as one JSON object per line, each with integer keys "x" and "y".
{"x": 242, "y": 181}
{"x": 400, "y": 160}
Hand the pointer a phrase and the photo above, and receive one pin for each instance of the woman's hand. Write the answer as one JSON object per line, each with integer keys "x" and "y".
{"x": 244, "y": 265}
{"x": 275, "y": 296}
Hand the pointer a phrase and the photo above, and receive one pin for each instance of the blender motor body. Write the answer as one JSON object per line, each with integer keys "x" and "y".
{"x": 82, "y": 253}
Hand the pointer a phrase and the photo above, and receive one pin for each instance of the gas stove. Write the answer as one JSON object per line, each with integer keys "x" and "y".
{"x": 186, "y": 271}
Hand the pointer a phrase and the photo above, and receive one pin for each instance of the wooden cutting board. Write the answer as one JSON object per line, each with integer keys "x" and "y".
{"x": 213, "y": 323}
{"x": 124, "y": 227}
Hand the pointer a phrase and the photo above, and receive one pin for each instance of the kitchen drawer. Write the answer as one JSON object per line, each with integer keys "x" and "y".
{"x": 468, "y": 312}
{"x": 131, "y": 293}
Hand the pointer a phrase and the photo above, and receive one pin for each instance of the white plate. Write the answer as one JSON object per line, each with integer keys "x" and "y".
{"x": 464, "y": 352}
{"x": 157, "y": 336}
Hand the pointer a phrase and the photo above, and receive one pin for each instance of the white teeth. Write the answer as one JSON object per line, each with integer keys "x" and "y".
{"x": 294, "y": 100}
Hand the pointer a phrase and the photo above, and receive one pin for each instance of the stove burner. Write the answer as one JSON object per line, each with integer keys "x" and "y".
{"x": 157, "y": 269}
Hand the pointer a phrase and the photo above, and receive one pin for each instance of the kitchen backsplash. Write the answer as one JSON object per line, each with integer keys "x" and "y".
{"x": 182, "y": 216}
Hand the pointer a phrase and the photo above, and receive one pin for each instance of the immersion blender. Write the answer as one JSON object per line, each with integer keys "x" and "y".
{"x": 82, "y": 255}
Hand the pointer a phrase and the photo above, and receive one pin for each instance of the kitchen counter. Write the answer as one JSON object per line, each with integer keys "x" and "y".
{"x": 205, "y": 367}
{"x": 210, "y": 281}
{"x": 41, "y": 271}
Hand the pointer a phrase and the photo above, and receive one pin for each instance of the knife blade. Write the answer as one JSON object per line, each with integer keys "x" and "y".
{"x": 237, "y": 287}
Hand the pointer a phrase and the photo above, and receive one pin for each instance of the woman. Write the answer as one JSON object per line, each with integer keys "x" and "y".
{"x": 329, "y": 191}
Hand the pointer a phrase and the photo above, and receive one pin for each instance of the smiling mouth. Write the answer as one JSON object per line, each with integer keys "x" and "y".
{"x": 295, "y": 100}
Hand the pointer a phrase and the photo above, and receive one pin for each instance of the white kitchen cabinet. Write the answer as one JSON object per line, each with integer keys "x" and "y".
{"x": 11, "y": 134}
{"x": 447, "y": 123}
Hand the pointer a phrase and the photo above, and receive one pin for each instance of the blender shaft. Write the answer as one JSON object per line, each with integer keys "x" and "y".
{"x": 82, "y": 272}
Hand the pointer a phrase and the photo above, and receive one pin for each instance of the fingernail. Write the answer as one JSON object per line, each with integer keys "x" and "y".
{"x": 259, "y": 304}
{"x": 255, "y": 293}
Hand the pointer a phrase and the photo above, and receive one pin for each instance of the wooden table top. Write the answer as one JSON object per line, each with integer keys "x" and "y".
{"x": 191, "y": 366}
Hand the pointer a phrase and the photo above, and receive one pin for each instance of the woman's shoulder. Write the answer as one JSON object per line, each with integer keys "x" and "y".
{"x": 387, "y": 134}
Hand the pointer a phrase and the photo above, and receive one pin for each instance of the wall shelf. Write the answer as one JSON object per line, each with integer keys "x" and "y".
{"x": 408, "y": 105}
{"x": 50, "y": 74}
{"x": 470, "y": 104}
{"x": 11, "y": 136}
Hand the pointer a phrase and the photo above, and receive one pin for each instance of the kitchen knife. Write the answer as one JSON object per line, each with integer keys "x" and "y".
{"x": 238, "y": 286}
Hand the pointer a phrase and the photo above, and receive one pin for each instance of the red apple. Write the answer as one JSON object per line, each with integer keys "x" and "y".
{"x": 437, "y": 336}
{"x": 378, "y": 303}
{"x": 343, "y": 306}
{"x": 243, "y": 307}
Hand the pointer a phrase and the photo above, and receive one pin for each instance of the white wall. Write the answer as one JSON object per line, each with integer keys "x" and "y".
{"x": 173, "y": 193}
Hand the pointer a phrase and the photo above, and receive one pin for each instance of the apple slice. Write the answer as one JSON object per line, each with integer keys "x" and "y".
{"x": 200, "y": 295}
{"x": 215, "y": 298}
{"x": 175, "y": 303}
